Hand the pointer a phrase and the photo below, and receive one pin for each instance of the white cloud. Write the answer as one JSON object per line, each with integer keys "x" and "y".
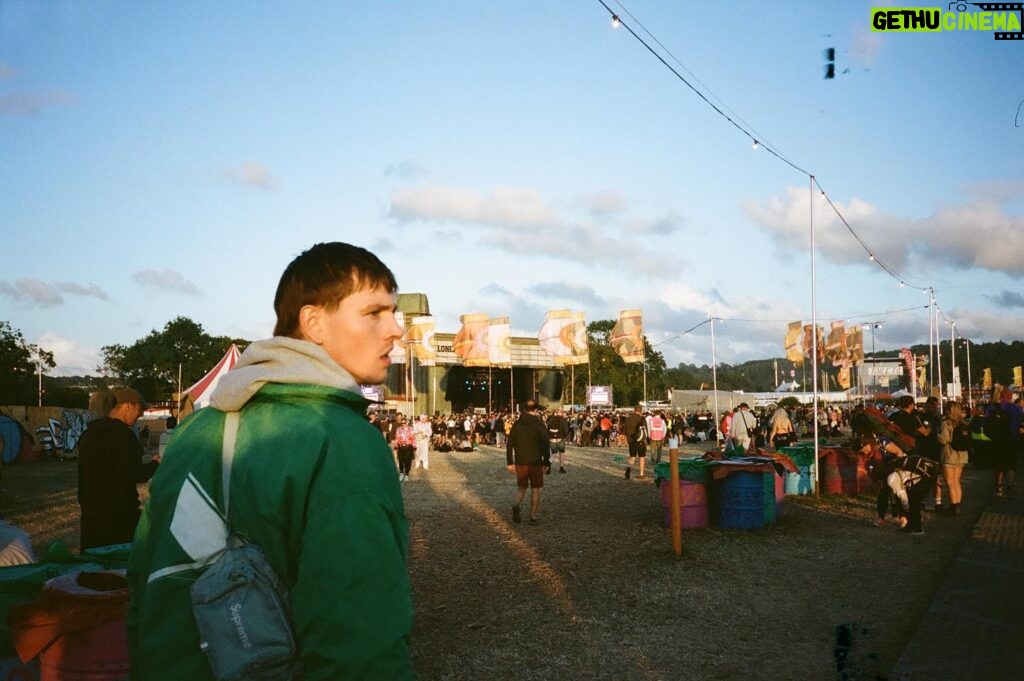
{"x": 521, "y": 222}
{"x": 166, "y": 279}
{"x": 32, "y": 292}
{"x": 73, "y": 358}
{"x": 79, "y": 290}
{"x": 504, "y": 207}
{"x": 579, "y": 294}
{"x": 383, "y": 245}
{"x": 21, "y": 103}
{"x": 974, "y": 235}
{"x": 1007, "y": 299}
{"x": 251, "y": 174}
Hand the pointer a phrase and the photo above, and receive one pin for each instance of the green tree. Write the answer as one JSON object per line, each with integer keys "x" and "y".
{"x": 150, "y": 365}
{"x": 19, "y": 363}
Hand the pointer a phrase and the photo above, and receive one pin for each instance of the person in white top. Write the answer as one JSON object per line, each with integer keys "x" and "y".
{"x": 423, "y": 431}
{"x": 741, "y": 430}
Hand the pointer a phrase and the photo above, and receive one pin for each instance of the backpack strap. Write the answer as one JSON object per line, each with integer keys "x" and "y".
{"x": 231, "y": 421}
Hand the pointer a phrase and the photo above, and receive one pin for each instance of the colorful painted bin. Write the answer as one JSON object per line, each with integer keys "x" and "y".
{"x": 742, "y": 501}
{"x": 693, "y": 504}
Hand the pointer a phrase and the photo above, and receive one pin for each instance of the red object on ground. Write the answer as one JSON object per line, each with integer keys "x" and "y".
{"x": 76, "y": 627}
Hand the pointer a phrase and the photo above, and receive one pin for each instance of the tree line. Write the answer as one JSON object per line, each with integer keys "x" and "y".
{"x": 151, "y": 365}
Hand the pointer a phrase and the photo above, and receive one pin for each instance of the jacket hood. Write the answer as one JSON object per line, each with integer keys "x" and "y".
{"x": 279, "y": 360}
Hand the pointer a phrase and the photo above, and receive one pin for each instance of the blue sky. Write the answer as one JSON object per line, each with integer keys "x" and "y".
{"x": 165, "y": 159}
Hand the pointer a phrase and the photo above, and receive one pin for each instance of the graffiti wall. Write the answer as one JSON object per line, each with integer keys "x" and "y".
{"x": 53, "y": 428}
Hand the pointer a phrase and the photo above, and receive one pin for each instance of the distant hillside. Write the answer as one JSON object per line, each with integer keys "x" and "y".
{"x": 759, "y": 375}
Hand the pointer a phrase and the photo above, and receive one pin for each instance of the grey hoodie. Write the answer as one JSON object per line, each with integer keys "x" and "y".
{"x": 279, "y": 360}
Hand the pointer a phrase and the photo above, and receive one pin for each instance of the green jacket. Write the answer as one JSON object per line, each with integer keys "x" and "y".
{"x": 314, "y": 484}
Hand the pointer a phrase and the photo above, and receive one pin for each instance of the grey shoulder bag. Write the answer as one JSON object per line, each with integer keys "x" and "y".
{"x": 240, "y": 605}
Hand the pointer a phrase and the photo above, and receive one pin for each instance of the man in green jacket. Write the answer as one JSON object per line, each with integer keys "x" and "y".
{"x": 313, "y": 484}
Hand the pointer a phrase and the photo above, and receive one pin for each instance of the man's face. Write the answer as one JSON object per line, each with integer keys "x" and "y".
{"x": 127, "y": 413}
{"x": 360, "y": 332}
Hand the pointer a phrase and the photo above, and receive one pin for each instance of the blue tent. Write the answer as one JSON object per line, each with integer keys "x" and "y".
{"x": 10, "y": 431}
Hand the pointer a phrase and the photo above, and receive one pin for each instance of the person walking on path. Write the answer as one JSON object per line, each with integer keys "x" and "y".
{"x": 558, "y": 429}
{"x": 528, "y": 455}
{"x": 954, "y": 440}
{"x": 657, "y": 428}
{"x": 741, "y": 430}
{"x": 1002, "y": 427}
{"x": 635, "y": 430}
{"x": 405, "y": 443}
{"x": 424, "y": 431}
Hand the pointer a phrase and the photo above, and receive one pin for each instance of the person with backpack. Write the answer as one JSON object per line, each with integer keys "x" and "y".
{"x": 312, "y": 484}
{"x": 1002, "y": 428}
{"x": 635, "y": 430}
{"x": 955, "y": 443}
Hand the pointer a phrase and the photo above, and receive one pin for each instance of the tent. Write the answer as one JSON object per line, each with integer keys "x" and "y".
{"x": 199, "y": 394}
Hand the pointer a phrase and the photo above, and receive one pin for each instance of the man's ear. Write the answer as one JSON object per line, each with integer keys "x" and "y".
{"x": 311, "y": 323}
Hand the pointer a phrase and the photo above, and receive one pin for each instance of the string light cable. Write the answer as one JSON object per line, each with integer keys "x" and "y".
{"x": 747, "y": 130}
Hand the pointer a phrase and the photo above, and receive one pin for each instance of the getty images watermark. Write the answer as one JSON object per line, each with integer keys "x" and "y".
{"x": 1002, "y": 18}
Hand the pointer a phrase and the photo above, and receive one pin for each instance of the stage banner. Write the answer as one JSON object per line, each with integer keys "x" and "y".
{"x": 421, "y": 336}
{"x": 791, "y": 344}
{"x": 627, "y": 338}
{"x": 855, "y": 345}
{"x": 471, "y": 340}
{"x": 835, "y": 346}
{"x": 554, "y": 335}
{"x": 577, "y": 340}
{"x": 499, "y": 342}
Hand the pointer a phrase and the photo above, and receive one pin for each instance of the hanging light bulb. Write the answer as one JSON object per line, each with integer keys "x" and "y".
{"x": 871, "y": 257}
{"x": 615, "y": 21}
{"x": 756, "y": 145}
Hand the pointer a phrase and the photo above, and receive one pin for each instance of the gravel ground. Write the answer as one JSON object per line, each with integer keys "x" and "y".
{"x": 595, "y": 592}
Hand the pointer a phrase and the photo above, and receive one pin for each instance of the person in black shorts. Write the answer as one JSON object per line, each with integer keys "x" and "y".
{"x": 635, "y": 430}
{"x": 528, "y": 454}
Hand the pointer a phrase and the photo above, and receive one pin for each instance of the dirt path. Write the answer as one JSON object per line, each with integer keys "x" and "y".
{"x": 595, "y": 592}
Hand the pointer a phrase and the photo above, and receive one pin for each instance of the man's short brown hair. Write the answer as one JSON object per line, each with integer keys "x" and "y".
{"x": 325, "y": 275}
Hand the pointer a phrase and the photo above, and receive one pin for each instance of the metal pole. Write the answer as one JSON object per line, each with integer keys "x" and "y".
{"x": 39, "y": 371}
{"x": 814, "y": 347}
{"x": 954, "y": 375}
{"x": 970, "y": 384}
{"x": 714, "y": 381}
{"x": 676, "y": 502}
